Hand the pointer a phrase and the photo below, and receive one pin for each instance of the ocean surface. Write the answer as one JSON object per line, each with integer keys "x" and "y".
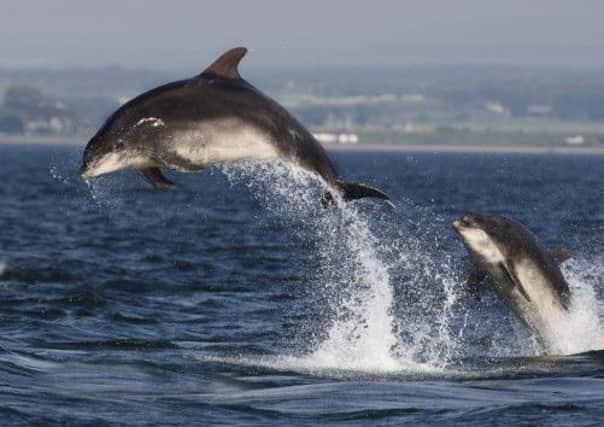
{"x": 238, "y": 300}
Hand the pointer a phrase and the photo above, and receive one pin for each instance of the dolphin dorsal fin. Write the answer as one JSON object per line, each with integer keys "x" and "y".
{"x": 226, "y": 65}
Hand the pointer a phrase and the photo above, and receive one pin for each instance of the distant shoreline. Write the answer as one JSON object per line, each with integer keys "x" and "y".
{"x": 41, "y": 140}
{"x": 404, "y": 148}
{"x": 445, "y": 148}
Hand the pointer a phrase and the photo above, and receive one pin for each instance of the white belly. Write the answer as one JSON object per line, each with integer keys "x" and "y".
{"x": 546, "y": 311}
{"x": 221, "y": 141}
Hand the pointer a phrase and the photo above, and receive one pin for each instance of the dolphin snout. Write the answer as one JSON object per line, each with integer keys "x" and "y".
{"x": 85, "y": 173}
{"x": 463, "y": 222}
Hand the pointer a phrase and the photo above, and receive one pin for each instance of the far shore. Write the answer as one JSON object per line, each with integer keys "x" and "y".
{"x": 405, "y": 148}
{"x": 456, "y": 148}
{"x": 6, "y": 139}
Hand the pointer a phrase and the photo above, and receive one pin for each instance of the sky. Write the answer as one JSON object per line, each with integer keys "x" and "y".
{"x": 188, "y": 34}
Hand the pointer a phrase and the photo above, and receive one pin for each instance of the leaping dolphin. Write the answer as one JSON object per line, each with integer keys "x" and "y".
{"x": 215, "y": 117}
{"x": 521, "y": 271}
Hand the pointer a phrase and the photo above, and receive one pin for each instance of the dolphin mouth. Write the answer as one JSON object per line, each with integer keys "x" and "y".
{"x": 85, "y": 173}
{"x": 461, "y": 223}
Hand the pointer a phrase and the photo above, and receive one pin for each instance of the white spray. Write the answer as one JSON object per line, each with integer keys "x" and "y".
{"x": 361, "y": 335}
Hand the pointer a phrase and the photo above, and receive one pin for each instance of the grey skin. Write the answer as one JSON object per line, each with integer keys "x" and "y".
{"x": 215, "y": 117}
{"x": 521, "y": 271}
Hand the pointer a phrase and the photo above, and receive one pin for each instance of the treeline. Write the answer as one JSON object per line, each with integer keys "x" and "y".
{"x": 461, "y": 92}
{"x": 26, "y": 109}
{"x": 78, "y": 100}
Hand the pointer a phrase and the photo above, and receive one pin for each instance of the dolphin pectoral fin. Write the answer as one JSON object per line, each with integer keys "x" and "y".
{"x": 155, "y": 177}
{"x": 514, "y": 279}
{"x": 354, "y": 191}
{"x": 474, "y": 280}
{"x": 560, "y": 255}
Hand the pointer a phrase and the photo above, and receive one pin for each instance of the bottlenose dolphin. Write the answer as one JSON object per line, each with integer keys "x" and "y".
{"x": 521, "y": 271}
{"x": 215, "y": 117}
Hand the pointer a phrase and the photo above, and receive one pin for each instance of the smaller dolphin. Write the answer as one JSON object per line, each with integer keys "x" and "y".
{"x": 521, "y": 271}
{"x": 212, "y": 118}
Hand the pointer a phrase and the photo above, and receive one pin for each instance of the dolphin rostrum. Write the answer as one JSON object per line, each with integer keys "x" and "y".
{"x": 521, "y": 271}
{"x": 215, "y": 117}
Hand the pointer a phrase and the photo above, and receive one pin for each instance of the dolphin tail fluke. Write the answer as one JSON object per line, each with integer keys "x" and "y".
{"x": 354, "y": 191}
{"x": 156, "y": 178}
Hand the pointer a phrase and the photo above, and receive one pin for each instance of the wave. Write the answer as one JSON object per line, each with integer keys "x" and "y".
{"x": 359, "y": 328}
{"x": 589, "y": 364}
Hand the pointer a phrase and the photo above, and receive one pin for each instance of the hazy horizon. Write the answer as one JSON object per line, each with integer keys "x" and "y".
{"x": 187, "y": 34}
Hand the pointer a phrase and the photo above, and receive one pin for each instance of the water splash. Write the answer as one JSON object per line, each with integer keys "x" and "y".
{"x": 361, "y": 331}
{"x": 432, "y": 317}
{"x": 361, "y": 335}
{"x": 59, "y": 175}
{"x": 103, "y": 193}
{"x": 583, "y": 329}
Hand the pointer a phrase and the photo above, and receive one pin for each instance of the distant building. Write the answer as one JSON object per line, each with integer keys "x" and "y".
{"x": 496, "y": 107}
{"x": 575, "y": 140}
{"x": 348, "y": 138}
{"x": 326, "y": 138}
{"x": 408, "y": 128}
{"x": 53, "y": 124}
{"x": 27, "y": 109}
{"x": 333, "y": 138}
